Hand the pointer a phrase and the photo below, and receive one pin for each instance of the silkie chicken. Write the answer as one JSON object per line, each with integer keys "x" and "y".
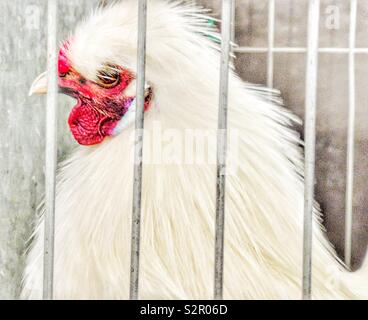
{"x": 264, "y": 197}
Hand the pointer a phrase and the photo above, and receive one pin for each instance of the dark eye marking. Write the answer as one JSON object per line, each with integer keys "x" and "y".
{"x": 63, "y": 74}
{"x": 108, "y": 77}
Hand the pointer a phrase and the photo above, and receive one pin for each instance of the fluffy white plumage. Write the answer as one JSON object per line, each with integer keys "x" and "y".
{"x": 264, "y": 202}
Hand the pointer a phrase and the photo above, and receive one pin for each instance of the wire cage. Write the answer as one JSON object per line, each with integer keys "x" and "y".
{"x": 312, "y": 51}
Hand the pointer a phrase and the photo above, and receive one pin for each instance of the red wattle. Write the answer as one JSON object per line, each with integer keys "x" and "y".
{"x": 88, "y": 126}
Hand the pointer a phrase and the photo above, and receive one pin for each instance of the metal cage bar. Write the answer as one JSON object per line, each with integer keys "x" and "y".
{"x": 138, "y": 156}
{"x": 310, "y": 142}
{"x": 227, "y": 6}
{"x": 299, "y": 50}
{"x": 351, "y": 135}
{"x": 271, "y": 42}
{"x": 51, "y": 151}
{"x": 233, "y": 26}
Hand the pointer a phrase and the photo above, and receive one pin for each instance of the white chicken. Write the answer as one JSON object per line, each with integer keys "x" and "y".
{"x": 264, "y": 200}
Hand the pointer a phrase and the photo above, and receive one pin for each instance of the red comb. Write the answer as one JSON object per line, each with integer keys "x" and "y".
{"x": 64, "y": 63}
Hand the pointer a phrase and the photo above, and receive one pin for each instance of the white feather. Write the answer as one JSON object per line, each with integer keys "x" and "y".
{"x": 264, "y": 201}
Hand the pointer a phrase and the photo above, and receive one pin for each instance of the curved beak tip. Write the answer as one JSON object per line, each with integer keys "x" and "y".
{"x": 39, "y": 85}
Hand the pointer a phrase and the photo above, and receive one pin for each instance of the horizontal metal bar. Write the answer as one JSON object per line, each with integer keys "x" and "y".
{"x": 51, "y": 151}
{"x": 138, "y": 156}
{"x": 222, "y": 147}
{"x": 298, "y": 50}
{"x": 310, "y": 143}
{"x": 351, "y": 136}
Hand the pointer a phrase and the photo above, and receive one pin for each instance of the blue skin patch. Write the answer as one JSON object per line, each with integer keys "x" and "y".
{"x": 127, "y": 119}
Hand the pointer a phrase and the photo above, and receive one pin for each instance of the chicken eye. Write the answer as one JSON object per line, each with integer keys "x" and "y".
{"x": 64, "y": 74}
{"x": 109, "y": 77}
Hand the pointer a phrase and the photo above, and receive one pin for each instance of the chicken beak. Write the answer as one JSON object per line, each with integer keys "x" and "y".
{"x": 39, "y": 86}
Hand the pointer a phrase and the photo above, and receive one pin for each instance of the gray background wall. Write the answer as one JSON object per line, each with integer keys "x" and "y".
{"x": 22, "y": 57}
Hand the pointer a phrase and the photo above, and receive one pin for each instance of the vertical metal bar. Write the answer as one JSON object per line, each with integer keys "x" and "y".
{"x": 233, "y": 24}
{"x": 51, "y": 151}
{"x": 222, "y": 147}
{"x": 351, "y": 136}
{"x": 233, "y": 32}
{"x": 271, "y": 42}
{"x": 138, "y": 157}
{"x": 310, "y": 141}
